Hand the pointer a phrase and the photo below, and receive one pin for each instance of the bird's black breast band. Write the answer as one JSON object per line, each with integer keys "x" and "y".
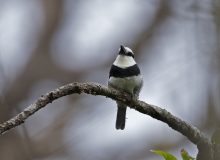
{"x": 124, "y": 72}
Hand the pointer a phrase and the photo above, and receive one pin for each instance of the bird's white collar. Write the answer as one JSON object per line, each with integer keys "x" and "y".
{"x": 124, "y": 61}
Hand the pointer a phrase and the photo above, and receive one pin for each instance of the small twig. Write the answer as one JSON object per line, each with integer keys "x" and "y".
{"x": 191, "y": 132}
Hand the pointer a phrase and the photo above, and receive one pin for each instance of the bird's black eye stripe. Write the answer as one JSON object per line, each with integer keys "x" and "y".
{"x": 130, "y": 54}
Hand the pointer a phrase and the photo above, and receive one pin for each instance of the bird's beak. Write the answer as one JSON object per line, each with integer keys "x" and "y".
{"x": 123, "y": 49}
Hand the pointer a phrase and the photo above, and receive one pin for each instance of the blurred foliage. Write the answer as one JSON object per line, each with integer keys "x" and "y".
{"x": 168, "y": 156}
{"x": 165, "y": 155}
{"x": 185, "y": 155}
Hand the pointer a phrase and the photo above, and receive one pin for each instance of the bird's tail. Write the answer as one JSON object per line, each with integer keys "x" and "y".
{"x": 121, "y": 116}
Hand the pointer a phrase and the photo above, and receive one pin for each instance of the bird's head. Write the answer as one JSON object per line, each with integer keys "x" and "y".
{"x": 125, "y": 58}
{"x": 126, "y": 51}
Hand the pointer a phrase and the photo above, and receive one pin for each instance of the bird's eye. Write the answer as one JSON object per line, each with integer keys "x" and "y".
{"x": 130, "y": 54}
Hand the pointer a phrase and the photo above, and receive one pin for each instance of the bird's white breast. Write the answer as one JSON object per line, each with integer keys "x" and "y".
{"x": 124, "y": 61}
{"x": 127, "y": 84}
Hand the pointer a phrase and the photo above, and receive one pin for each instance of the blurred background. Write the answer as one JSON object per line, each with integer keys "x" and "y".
{"x": 45, "y": 44}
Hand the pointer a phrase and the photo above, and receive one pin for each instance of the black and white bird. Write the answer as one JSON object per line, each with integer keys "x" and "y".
{"x": 125, "y": 76}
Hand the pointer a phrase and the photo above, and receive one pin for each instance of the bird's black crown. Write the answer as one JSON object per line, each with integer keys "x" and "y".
{"x": 126, "y": 51}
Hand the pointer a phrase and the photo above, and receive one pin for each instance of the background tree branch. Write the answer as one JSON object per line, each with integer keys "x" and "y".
{"x": 191, "y": 132}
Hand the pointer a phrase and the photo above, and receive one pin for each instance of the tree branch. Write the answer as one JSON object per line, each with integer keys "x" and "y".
{"x": 191, "y": 132}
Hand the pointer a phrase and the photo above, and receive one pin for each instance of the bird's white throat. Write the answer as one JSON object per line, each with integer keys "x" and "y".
{"x": 124, "y": 61}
